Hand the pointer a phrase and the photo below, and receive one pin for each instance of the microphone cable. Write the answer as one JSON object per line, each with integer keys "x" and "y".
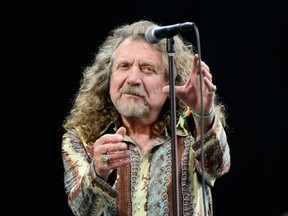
{"x": 201, "y": 119}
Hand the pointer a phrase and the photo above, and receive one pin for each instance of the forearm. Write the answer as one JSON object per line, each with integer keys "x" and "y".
{"x": 86, "y": 192}
{"x": 216, "y": 152}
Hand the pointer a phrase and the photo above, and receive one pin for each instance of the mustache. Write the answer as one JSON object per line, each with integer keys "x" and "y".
{"x": 133, "y": 90}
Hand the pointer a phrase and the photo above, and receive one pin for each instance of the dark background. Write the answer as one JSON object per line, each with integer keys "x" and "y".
{"x": 45, "y": 45}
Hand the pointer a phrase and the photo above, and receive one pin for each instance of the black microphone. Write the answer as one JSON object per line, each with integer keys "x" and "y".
{"x": 155, "y": 33}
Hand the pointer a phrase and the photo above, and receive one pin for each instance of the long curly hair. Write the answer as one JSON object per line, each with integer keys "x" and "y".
{"x": 92, "y": 108}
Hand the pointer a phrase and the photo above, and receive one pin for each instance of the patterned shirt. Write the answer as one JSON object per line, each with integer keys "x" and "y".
{"x": 144, "y": 187}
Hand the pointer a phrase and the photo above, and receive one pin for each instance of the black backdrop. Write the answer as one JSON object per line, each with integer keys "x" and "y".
{"x": 45, "y": 45}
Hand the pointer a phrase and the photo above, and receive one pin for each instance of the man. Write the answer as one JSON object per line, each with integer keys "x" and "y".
{"x": 117, "y": 145}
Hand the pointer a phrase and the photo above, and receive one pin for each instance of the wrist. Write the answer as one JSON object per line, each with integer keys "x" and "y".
{"x": 206, "y": 116}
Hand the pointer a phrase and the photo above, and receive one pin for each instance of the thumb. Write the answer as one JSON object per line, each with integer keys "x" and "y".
{"x": 166, "y": 89}
{"x": 179, "y": 91}
{"x": 121, "y": 131}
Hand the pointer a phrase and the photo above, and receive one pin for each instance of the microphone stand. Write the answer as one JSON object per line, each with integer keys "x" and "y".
{"x": 171, "y": 52}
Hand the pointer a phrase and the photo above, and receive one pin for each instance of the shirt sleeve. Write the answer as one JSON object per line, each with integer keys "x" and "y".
{"x": 87, "y": 193}
{"x": 216, "y": 153}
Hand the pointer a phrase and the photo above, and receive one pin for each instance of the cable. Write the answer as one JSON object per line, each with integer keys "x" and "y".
{"x": 171, "y": 51}
{"x": 201, "y": 119}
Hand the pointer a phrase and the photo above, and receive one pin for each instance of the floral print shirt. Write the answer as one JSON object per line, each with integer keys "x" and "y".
{"x": 144, "y": 187}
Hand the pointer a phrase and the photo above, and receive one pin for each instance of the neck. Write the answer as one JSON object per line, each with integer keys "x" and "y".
{"x": 141, "y": 134}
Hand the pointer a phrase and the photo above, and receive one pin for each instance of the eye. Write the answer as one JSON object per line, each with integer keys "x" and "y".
{"x": 123, "y": 66}
{"x": 148, "y": 69}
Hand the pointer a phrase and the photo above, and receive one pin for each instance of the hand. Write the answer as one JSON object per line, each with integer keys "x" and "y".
{"x": 115, "y": 149}
{"x": 190, "y": 92}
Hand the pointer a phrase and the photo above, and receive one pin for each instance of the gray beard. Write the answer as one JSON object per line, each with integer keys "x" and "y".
{"x": 131, "y": 109}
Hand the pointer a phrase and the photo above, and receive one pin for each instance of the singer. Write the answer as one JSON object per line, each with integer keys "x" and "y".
{"x": 116, "y": 145}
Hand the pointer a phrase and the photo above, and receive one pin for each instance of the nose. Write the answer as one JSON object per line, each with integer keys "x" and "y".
{"x": 134, "y": 76}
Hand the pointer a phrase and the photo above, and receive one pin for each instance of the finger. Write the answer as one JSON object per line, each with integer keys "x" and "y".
{"x": 120, "y": 155}
{"x": 116, "y": 164}
{"x": 206, "y": 74}
{"x": 113, "y": 160}
{"x": 205, "y": 69}
{"x": 166, "y": 89}
{"x": 113, "y": 147}
{"x": 179, "y": 91}
{"x": 210, "y": 87}
{"x": 109, "y": 138}
{"x": 114, "y": 157}
{"x": 195, "y": 69}
{"x": 121, "y": 131}
{"x": 108, "y": 167}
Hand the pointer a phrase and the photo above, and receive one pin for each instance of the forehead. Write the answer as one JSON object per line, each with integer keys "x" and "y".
{"x": 137, "y": 48}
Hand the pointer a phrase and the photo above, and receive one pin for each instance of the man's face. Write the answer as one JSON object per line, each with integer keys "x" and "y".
{"x": 138, "y": 76}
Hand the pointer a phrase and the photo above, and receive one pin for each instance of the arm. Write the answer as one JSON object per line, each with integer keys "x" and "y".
{"x": 216, "y": 149}
{"x": 86, "y": 192}
{"x": 216, "y": 153}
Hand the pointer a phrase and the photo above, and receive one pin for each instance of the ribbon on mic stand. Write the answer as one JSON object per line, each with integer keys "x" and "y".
{"x": 171, "y": 52}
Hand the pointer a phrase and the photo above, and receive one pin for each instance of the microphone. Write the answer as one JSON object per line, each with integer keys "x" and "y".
{"x": 155, "y": 33}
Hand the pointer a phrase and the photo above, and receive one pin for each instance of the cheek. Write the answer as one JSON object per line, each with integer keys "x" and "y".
{"x": 112, "y": 88}
{"x": 156, "y": 89}
{"x": 114, "y": 82}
